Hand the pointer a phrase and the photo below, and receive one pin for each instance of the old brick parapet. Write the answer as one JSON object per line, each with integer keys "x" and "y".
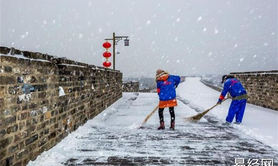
{"x": 262, "y": 87}
{"x": 43, "y": 98}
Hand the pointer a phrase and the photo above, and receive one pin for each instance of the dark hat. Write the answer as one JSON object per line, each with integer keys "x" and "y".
{"x": 225, "y": 77}
{"x": 159, "y": 71}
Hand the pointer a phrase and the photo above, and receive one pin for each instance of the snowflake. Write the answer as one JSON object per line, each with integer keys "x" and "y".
{"x": 209, "y": 54}
{"x": 199, "y": 18}
{"x": 80, "y": 36}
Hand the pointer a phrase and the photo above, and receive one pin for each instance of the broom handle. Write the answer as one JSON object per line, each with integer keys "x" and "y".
{"x": 147, "y": 118}
{"x": 214, "y": 106}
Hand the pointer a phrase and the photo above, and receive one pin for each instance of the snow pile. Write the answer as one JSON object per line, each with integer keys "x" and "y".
{"x": 25, "y": 97}
{"x": 20, "y": 56}
{"x": 258, "y": 122}
{"x": 61, "y": 91}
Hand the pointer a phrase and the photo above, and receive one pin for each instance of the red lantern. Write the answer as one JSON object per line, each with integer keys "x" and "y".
{"x": 106, "y": 45}
{"x": 106, "y": 64}
{"x": 106, "y": 54}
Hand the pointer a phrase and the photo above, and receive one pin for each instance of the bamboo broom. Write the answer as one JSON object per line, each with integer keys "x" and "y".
{"x": 147, "y": 118}
{"x": 200, "y": 115}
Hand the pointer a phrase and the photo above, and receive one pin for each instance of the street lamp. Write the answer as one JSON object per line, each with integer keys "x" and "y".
{"x": 126, "y": 42}
{"x": 115, "y": 40}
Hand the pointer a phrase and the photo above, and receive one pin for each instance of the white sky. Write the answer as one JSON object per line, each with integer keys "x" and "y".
{"x": 183, "y": 37}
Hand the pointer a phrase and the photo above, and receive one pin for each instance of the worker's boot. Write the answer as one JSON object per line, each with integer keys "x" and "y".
{"x": 162, "y": 126}
{"x": 172, "y": 127}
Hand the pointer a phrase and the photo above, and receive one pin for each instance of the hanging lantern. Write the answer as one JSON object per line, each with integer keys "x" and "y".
{"x": 106, "y": 63}
{"x": 106, "y": 45}
{"x": 106, "y": 54}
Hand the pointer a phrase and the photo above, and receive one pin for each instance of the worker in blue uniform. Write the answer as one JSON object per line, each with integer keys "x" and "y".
{"x": 166, "y": 89}
{"x": 239, "y": 98}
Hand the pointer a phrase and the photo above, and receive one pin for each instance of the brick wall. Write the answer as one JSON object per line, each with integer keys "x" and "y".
{"x": 131, "y": 86}
{"x": 43, "y": 98}
{"x": 261, "y": 86}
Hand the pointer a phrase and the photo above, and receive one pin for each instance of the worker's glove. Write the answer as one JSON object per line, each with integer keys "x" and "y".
{"x": 219, "y": 101}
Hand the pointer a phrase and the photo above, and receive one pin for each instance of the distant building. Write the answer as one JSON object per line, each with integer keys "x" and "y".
{"x": 131, "y": 86}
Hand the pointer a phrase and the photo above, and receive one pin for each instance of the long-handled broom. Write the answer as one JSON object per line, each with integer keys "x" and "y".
{"x": 147, "y": 118}
{"x": 200, "y": 115}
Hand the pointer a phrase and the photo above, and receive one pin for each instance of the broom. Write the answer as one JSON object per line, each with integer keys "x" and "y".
{"x": 200, "y": 115}
{"x": 147, "y": 118}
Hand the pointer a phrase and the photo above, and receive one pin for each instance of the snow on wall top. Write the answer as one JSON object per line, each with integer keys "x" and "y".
{"x": 36, "y": 56}
{"x": 256, "y": 72}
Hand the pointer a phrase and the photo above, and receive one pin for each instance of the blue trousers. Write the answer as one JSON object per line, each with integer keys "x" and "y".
{"x": 237, "y": 108}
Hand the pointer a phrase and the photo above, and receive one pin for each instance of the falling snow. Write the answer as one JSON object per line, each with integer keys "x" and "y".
{"x": 209, "y": 54}
{"x": 99, "y": 30}
{"x": 24, "y": 35}
{"x": 90, "y": 3}
{"x": 173, "y": 28}
{"x": 80, "y": 36}
{"x": 216, "y": 31}
{"x": 148, "y": 22}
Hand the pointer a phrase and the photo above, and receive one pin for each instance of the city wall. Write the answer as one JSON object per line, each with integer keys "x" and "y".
{"x": 44, "y": 98}
{"x": 261, "y": 86}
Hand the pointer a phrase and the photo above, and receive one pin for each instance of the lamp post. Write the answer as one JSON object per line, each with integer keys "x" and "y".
{"x": 115, "y": 39}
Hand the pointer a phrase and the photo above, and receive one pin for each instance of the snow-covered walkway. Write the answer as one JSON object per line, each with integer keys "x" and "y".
{"x": 113, "y": 137}
{"x": 258, "y": 122}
